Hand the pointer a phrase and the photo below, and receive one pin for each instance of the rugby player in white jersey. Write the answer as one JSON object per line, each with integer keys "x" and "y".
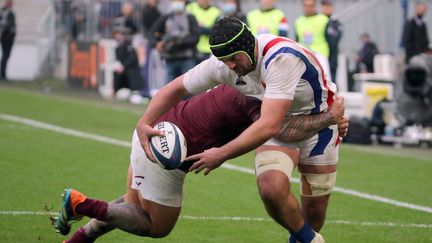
{"x": 154, "y": 196}
{"x": 290, "y": 81}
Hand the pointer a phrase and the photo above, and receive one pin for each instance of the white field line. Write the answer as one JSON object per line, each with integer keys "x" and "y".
{"x": 348, "y": 192}
{"x": 247, "y": 219}
{"x": 113, "y": 141}
{"x": 63, "y": 130}
{"x": 346, "y": 222}
{"x": 27, "y": 213}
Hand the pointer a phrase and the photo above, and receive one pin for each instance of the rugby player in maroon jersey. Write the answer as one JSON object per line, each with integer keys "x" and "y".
{"x": 152, "y": 203}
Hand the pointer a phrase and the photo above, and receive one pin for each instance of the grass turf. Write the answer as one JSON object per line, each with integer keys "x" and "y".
{"x": 38, "y": 164}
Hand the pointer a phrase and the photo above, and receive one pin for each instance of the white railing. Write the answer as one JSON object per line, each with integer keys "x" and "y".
{"x": 46, "y": 39}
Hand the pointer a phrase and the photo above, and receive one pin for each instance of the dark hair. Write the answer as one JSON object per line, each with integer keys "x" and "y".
{"x": 326, "y": 2}
{"x": 224, "y": 30}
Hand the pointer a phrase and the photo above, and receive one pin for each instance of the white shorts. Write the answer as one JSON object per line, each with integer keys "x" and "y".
{"x": 320, "y": 149}
{"x": 154, "y": 183}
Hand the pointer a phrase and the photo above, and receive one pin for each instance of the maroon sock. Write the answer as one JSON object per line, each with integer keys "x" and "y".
{"x": 93, "y": 208}
{"x": 80, "y": 237}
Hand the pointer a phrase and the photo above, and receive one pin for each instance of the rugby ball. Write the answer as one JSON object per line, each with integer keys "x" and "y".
{"x": 169, "y": 150}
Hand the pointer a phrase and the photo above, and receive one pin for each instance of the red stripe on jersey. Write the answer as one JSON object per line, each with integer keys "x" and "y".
{"x": 278, "y": 40}
{"x": 330, "y": 93}
{"x": 338, "y": 140}
{"x": 274, "y": 42}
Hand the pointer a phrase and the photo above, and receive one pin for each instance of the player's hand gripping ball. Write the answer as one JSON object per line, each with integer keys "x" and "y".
{"x": 169, "y": 150}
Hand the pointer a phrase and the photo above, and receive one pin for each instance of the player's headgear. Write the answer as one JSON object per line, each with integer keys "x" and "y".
{"x": 230, "y": 36}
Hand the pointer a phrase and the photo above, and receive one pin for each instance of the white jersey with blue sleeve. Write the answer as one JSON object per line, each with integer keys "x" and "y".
{"x": 285, "y": 70}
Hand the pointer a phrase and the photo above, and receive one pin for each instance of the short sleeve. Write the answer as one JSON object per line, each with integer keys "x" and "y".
{"x": 203, "y": 76}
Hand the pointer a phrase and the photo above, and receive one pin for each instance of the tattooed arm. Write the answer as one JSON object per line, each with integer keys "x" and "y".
{"x": 299, "y": 127}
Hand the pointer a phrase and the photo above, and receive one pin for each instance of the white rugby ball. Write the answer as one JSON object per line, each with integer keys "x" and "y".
{"x": 169, "y": 150}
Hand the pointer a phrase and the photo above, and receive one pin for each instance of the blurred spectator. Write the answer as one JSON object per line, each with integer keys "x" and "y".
{"x": 268, "y": 20}
{"x": 334, "y": 32}
{"x": 127, "y": 76}
{"x": 150, "y": 14}
{"x": 232, "y": 8}
{"x": 366, "y": 54}
{"x": 206, "y": 16}
{"x": 310, "y": 30}
{"x": 415, "y": 34}
{"x": 7, "y": 34}
{"x": 126, "y": 19}
{"x": 153, "y": 70}
{"x": 64, "y": 11}
{"x": 175, "y": 36}
{"x": 109, "y": 10}
{"x": 79, "y": 10}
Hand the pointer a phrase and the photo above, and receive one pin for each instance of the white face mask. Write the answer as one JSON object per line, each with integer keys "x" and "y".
{"x": 177, "y": 6}
{"x": 229, "y": 8}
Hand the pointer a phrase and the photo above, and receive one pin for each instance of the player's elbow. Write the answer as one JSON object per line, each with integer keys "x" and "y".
{"x": 275, "y": 131}
{"x": 269, "y": 128}
{"x": 272, "y": 130}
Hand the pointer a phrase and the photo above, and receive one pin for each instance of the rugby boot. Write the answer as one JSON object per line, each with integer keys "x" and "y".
{"x": 67, "y": 215}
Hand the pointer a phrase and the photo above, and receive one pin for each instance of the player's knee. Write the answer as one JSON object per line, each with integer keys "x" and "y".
{"x": 272, "y": 185}
{"x": 153, "y": 233}
{"x": 273, "y": 170}
{"x": 268, "y": 193}
{"x": 316, "y": 185}
{"x": 160, "y": 233}
{"x": 140, "y": 231}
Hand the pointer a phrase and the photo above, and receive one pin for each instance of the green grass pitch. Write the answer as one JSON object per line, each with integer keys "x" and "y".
{"x": 37, "y": 164}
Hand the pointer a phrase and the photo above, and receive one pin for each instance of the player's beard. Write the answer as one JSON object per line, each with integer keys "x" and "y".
{"x": 240, "y": 71}
{"x": 243, "y": 70}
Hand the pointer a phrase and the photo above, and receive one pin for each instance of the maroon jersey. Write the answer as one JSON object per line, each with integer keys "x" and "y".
{"x": 214, "y": 118}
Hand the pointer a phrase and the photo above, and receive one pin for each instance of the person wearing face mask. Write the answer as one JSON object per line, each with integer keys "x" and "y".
{"x": 268, "y": 20}
{"x": 232, "y": 8}
{"x": 206, "y": 16}
{"x": 415, "y": 34}
{"x": 175, "y": 35}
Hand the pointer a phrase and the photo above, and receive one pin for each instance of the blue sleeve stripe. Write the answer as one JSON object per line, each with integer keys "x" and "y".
{"x": 311, "y": 74}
